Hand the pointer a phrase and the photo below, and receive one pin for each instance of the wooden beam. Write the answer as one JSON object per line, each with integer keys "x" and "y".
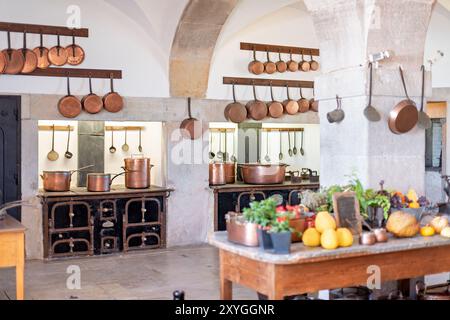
{"x": 76, "y": 73}
{"x": 281, "y": 49}
{"x": 267, "y": 82}
{"x": 44, "y": 29}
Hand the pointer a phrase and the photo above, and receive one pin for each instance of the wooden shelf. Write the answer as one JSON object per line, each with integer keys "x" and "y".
{"x": 44, "y": 29}
{"x": 123, "y": 128}
{"x": 282, "y": 129}
{"x": 222, "y": 130}
{"x": 267, "y": 82}
{"x": 57, "y": 128}
{"x": 75, "y": 73}
{"x": 282, "y": 49}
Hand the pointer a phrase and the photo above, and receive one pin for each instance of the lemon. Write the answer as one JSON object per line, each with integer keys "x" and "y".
{"x": 324, "y": 221}
{"x": 329, "y": 239}
{"x": 345, "y": 237}
{"x": 311, "y": 238}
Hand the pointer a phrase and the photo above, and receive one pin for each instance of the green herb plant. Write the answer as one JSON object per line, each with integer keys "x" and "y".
{"x": 261, "y": 212}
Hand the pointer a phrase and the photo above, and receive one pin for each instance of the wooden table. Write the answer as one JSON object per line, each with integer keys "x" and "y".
{"x": 12, "y": 250}
{"x": 308, "y": 270}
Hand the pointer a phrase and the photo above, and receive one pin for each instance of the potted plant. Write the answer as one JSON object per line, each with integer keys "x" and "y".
{"x": 281, "y": 233}
{"x": 262, "y": 213}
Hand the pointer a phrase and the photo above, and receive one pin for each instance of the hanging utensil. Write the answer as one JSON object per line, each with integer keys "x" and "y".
{"x": 338, "y": 114}
{"x": 269, "y": 66}
{"x": 112, "y": 149}
{"x": 304, "y": 65}
{"x": 31, "y": 60}
{"x": 281, "y": 65}
{"x": 14, "y": 58}
{"x": 190, "y": 128}
{"x": 125, "y": 146}
{"x": 233, "y": 157}
{"x": 140, "y": 140}
{"x": 69, "y": 106}
{"x": 58, "y": 55}
{"x": 303, "y": 103}
{"x": 76, "y": 53}
{"x": 220, "y": 153}
{"x": 290, "y": 106}
{"x": 53, "y": 155}
{"x": 92, "y": 103}
{"x": 112, "y": 102}
{"x": 302, "y": 151}
{"x": 267, "y": 157}
{"x": 275, "y": 108}
{"x": 257, "y": 110}
{"x": 295, "y": 151}
{"x": 225, "y": 153}
{"x": 256, "y": 66}
{"x": 314, "y": 64}
{"x": 68, "y": 154}
{"x": 290, "y": 152}
{"x": 292, "y": 65}
{"x": 212, "y": 155}
{"x": 280, "y": 155}
{"x": 405, "y": 115}
{"x": 313, "y": 103}
{"x": 42, "y": 54}
{"x": 370, "y": 112}
{"x": 235, "y": 111}
{"x": 424, "y": 119}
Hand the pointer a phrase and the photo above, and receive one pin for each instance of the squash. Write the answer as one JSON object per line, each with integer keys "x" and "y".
{"x": 402, "y": 225}
{"x": 427, "y": 231}
{"x": 439, "y": 224}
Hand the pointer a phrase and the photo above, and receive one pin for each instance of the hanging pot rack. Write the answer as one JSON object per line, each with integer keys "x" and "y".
{"x": 279, "y": 49}
{"x": 268, "y": 82}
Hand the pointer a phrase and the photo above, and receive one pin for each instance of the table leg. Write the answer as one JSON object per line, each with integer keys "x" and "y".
{"x": 275, "y": 295}
{"x": 20, "y": 267}
{"x": 226, "y": 289}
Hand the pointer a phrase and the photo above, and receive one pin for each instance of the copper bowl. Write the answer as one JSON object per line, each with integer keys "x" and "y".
{"x": 255, "y": 173}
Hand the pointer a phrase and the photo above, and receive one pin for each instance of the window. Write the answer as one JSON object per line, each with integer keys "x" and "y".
{"x": 433, "y": 145}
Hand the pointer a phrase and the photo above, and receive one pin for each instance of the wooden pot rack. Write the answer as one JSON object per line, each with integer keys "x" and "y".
{"x": 222, "y": 130}
{"x": 267, "y": 82}
{"x": 283, "y": 129}
{"x": 61, "y": 31}
{"x": 279, "y": 49}
{"x": 123, "y": 128}
{"x": 57, "y": 128}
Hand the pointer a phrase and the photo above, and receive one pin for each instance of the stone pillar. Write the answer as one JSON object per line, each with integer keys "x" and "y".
{"x": 348, "y": 31}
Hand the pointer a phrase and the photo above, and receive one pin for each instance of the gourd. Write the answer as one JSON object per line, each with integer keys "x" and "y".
{"x": 402, "y": 225}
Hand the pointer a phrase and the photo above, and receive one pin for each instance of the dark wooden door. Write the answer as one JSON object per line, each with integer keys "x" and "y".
{"x": 10, "y": 151}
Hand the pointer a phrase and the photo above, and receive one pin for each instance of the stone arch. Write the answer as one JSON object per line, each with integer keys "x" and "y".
{"x": 193, "y": 46}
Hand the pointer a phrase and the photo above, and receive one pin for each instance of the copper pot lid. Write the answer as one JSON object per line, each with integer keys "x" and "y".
{"x": 58, "y": 55}
{"x": 14, "y": 59}
{"x": 41, "y": 53}
{"x": 75, "y": 53}
{"x": 31, "y": 60}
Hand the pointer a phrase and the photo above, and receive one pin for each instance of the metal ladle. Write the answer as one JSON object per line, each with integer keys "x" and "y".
{"x": 290, "y": 152}
{"x": 302, "y": 151}
{"x": 220, "y": 153}
{"x": 295, "y": 151}
{"x": 125, "y": 146}
{"x": 280, "y": 155}
{"x": 140, "y": 140}
{"x": 370, "y": 112}
{"x": 233, "y": 157}
{"x": 267, "y": 157}
{"x": 112, "y": 149}
{"x": 68, "y": 154}
{"x": 53, "y": 155}
{"x": 424, "y": 120}
{"x": 212, "y": 155}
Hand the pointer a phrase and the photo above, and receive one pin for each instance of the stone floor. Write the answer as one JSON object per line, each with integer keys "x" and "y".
{"x": 141, "y": 275}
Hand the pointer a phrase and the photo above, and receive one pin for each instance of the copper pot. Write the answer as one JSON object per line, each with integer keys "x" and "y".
{"x": 69, "y": 106}
{"x": 292, "y": 65}
{"x": 240, "y": 231}
{"x": 14, "y": 59}
{"x": 217, "y": 175}
{"x": 269, "y": 66}
{"x": 256, "y": 109}
{"x": 190, "y": 127}
{"x": 58, "y": 181}
{"x": 290, "y": 106}
{"x": 303, "y": 103}
{"x": 275, "y": 108}
{"x": 281, "y": 65}
{"x": 42, "y": 55}
{"x": 100, "y": 182}
{"x": 256, "y": 66}
{"x": 235, "y": 111}
{"x": 263, "y": 173}
{"x": 230, "y": 172}
{"x": 137, "y": 172}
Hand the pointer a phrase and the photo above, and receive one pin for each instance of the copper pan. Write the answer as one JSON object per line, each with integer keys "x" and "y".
{"x": 304, "y": 65}
{"x": 69, "y": 106}
{"x": 290, "y": 106}
{"x": 313, "y": 103}
{"x": 256, "y": 109}
{"x": 256, "y": 66}
{"x": 58, "y": 55}
{"x": 292, "y": 65}
{"x": 263, "y": 173}
{"x": 2, "y": 63}
{"x": 112, "y": 101}
{"x": 281, "y": 65}
{"x": 14, "y": 59}
{"x": 303, "y": 103}
{"x": 269, "y": 66}
{"x": 275, "y": 108}
{"x": 31, "y": 60}
{"x": 191, "y": 127}
{"x": 405, "y": 115}
{"x": 313, "y": 63}
{"x": 42, "y": 55}
{"x": 75, "y": 53}
{"x": 235, "y": 111}
{"x": 92, "y": 103}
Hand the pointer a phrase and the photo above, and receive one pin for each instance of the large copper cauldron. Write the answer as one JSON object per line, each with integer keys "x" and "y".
{"x": 255, "y": 173}
{"x": 137, "y": 172}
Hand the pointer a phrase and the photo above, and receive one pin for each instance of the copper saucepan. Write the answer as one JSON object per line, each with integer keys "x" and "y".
{"x": 75, "y": 53}
{"x": 100, "y": 182}
{"x": 137, "y": 172}
{"x": 303, "y": 103}
{"x": 269, "y": 66}
{"x": 112, "y": 101}
{"x": 281, "y": 65}
{"x": 256, "y": 66}
{"x": 191, "y": 128}
{"x": 69, "y": 106}
{"x": 235, "y": 111}
{"x": 290, "y": 106}
{"x": 58, "y": 55}
{"x": 275, "y": 108}
{"x": 42, "y": 54}
{"x": 30, "y": 58}
{"x": 92, "y": 103}
{"x": 257, "y": 110}
{"x": 405, "y": 115}
{"x": 59, "y": 181}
